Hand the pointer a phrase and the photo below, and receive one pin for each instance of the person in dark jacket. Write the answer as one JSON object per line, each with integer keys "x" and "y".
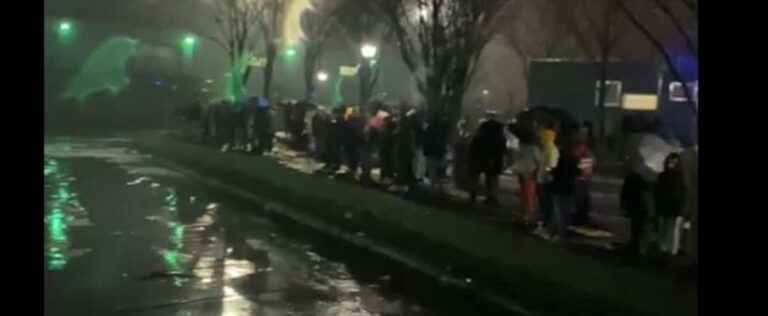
{"x": 669, "y": 195}
{"x": 486, "y": 157}
{"x": 405, "y": 151}
{"x": 263, "y": 127}
{"x": 435, "y": 149}
{"x": 563, "y": 187}
{"x": 636, "y": 198}
{"x": 587, "y": 163}
{"x": 333, "y": 143}
{"x": 354, "y": 139}
{"x": 387, "y": 149}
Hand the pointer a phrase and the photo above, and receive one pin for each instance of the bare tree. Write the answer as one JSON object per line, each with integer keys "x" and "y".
{"x": 441, "y": 42}
{"x": 236, "y": 23}
{"x": 361, "y": 25}
{"x": 634, "y": 13}
{"x": 317, "y": 25}
{"x": 540, "y": 29}
{"x": 270, "y": 18}
{"x": 599, "y": 35}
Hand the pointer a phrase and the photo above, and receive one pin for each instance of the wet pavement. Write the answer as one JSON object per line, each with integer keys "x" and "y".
{"x": 127, "y": 235}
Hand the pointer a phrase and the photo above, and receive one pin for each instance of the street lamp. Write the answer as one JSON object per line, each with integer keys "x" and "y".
{"x": 66, "y": 31}
{"x": 65, "y": 26}
{"x": 369, "y": 51}
{"x": 322, "y": 76}
{"x": 486, "y": 92}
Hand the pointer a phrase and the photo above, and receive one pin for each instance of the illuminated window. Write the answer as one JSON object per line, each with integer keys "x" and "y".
{"x": 612, "y": 94}
{"x": 677, "y": 94}
{"x": 640, "y": 102}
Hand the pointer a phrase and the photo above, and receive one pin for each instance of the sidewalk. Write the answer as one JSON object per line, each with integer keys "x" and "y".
{"x": 545, "y": 279}
{"x": 608, "y": 225}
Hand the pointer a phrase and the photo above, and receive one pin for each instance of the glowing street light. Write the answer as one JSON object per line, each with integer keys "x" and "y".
{"x": 290, "y": 52}
{"x": 188, "y": 46}
{"x": 65, "y": 26}
{"x": 322, "y": 76}
{"x": 369, "y": 51}
{"x": 424, "y": 13}
{"x": 65, "y": 31}
{"x": 486, "y": 92}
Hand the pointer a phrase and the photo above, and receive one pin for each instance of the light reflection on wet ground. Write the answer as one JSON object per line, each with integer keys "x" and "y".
{"x": 125, "y": 235}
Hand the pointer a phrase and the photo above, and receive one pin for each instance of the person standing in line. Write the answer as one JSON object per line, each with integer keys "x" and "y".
{"x": 486, "y": 156}
{"x": 550, "y": 158}
{"x": 637, "y": 195}
{"x": 460, "y": 173}
{"x": 527, "y": 167}
{"x": 586, "y": 164}
{"x": 354, "y": 139}
{"x": 405, "y": 152}
{"x": 387, "y": 149}
{"x": 333, "y": 142}
{"x": 670, "y": 195}
{"x": 563, "y": 187}
{"x": 435, "y": 150}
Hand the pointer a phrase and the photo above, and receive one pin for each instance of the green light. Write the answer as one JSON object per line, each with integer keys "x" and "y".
{"x": 290, "y": 52}
{"x": 65, "y": 31}
{"x": 188, "y": 45}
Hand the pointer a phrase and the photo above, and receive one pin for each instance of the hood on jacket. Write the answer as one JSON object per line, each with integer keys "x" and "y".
{"x": 548, "y": 136}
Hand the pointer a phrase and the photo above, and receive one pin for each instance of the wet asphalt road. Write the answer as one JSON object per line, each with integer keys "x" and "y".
{"x": 125, "y": 235}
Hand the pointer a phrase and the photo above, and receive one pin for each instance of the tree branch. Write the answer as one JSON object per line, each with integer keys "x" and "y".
{"x": 660, "y": 47}
{"x": 678, "y": 26}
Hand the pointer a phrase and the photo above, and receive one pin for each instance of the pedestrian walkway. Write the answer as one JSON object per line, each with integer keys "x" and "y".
{"x": 608, "y": 230}
{"x": 545, "y": 278}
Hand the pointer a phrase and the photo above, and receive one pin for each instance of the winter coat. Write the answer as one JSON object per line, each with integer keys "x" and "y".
{"x": 565, "y": 174}
{"x": 487, "y": 148}
{"x": 461, "y": 174}
{"x": 436, "y": 140}
{"x": 550, "y": 153}
{"x": 529, "y": 161}
{"x": 670, "y": 193}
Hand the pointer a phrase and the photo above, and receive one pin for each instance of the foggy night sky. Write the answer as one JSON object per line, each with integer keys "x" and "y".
{"x": 158, "y": 23}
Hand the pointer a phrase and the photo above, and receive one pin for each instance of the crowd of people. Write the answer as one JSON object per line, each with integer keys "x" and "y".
{"x": 553, "y": 160}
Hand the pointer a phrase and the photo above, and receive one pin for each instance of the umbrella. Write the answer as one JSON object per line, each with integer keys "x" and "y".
{"x": 648, "y": 157}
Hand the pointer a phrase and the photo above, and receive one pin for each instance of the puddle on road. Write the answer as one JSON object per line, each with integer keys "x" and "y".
{"x": 183, "y": 251}
{"x": 62, "y": 212}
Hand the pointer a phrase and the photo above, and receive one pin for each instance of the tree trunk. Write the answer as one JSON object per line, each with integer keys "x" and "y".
{"x": 309, "y": 75}
{"x": 365, "y": 79}
{"x": 269, "y": 70}
{"x": 602, "y": 94}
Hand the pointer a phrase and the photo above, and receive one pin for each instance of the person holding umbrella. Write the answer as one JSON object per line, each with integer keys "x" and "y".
{"x": 644, "y": 161}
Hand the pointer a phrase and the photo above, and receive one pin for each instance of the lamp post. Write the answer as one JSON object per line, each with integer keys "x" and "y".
{"x": 368, "y": 52}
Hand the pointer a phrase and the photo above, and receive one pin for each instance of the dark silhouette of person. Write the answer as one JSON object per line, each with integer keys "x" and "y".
{"x": 486, "y": 157}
